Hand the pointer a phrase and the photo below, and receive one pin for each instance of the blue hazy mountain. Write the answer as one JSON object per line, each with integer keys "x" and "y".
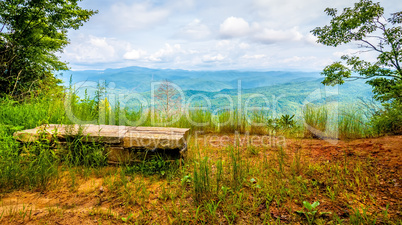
{"x": 139, "y": 79}
{"x": 288, "y": 91}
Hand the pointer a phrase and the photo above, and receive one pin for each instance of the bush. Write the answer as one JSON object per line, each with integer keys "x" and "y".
{"x": 389, "y": 119}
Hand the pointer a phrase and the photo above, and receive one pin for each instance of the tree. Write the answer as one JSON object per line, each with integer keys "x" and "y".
{"x": 168, "y": 100}
{"x": 31, "y": 33}
{"x": 366, "y": 25}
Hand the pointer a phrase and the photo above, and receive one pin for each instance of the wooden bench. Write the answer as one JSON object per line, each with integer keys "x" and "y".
{"x": 121, "y": 142}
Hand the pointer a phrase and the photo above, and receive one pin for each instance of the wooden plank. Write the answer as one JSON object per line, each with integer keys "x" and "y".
{"x": 31, "y": 135}
{"x": 153, "y": 140}
{"x": 118, "y": 155}
{"x": 91, "y": 133}
{"x": 125, "y": 136}
{"x": 120, "y": 141}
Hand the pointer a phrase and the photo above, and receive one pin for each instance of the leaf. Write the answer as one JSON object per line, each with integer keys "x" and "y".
{"x": 124, "y": 219}
{"x": 315, "y": 204}
{"x": 307, "y": 205}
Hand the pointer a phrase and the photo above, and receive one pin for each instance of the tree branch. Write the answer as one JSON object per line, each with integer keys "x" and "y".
{"x": 4, "y": 25}
{"x": 393, "y": 47}
{"x": 16, "y": 81}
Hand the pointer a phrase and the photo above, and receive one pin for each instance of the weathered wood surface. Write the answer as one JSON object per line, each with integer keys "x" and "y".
{"x": 118, "y": 139}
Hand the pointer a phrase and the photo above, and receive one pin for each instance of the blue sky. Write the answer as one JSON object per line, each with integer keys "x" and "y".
{"x": 207, "y": 35}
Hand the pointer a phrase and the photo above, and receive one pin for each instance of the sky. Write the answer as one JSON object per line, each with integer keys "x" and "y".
{"x": 256, "y": 35}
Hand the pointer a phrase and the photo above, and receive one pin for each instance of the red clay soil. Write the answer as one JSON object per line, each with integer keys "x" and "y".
{"x": 388, "y": 149}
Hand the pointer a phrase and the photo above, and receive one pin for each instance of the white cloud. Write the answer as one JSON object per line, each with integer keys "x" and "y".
{"x": 370, "y": 56}
{"x": 168, "y": 53}
{"x": 134, "y": 54}
{"x": 311, "y": 39}
{"x": 258, "y": 56}
{"x": 244, "y": 45}
{"x": 234, "y": 27}
{"x": 348, "y": 52}
{"x": 195, "y": 30}
{"x": 135, "y": 16}
{"x": 295, "y": 59}
{"x": 269, "y": 36}
{"x": 91, "y": 49}
{"x": 305, "y": 62}
{"x": 284, "y": 14}
{"x": 212, "y": 58}
{"x": 223, "y": 43}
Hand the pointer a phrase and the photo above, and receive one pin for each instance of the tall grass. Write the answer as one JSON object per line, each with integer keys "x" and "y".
{"x": 31, "y": 165}
{"x": 202, "y": 179}
{"x": 343, "y": 122}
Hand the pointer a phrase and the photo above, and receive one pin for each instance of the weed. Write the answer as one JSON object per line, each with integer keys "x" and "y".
{"x": 361, "y": 216}
{"x": 126, "y": 219}
{"x": 201, "y": 175}
{"x": 311, "y": 211}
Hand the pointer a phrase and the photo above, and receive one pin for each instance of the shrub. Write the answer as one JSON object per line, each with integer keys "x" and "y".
{"x": 388, "y": 120}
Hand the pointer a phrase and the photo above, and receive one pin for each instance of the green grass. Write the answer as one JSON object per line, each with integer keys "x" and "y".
{"x": 338, "y": 122}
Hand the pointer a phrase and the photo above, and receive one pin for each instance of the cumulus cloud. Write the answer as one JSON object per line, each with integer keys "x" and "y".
{"x": 135, "y": 16}
{"x": 195, "y": 30}
{"x": 134, "y": 54}
{"x": 285, "y": 14}
{"x": 370, "y": 56}
{"x": 244, "y": 45}
{"x": 212, "y": 58}
{"x": 258, "y": 56}
{"x": 234, "y": 27}
{"x": 92, "y": 49}
{"x": 168, "y": 53}
{"x": 223, "y": 43}
{"x": 348, "y": 52}
{"x": 305, "y": 62}
{"x": 295, "y": 59}
{"x": 311, "y": 39}
{"x": 269, "y": 36}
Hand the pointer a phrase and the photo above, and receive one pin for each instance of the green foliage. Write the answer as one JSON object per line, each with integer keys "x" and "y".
{"x": 31, "y": 34}
{"x": 25, "y": 166}
{"x": 79, "y": 152}
{"x": 388, "y": 120}
{"x": 311, "y": 211}
{"x": 201, "y": 180}
{"x": 157, "y": 164}
{"x": 286, "y": 121}
{"x": 364, "y": 24}
{"x": 315, "y": 117}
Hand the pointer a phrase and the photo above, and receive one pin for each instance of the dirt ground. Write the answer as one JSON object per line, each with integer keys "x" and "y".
{"x": 81, "y": 205}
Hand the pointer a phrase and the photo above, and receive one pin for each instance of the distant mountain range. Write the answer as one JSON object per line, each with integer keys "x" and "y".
{"x": 284, "y": 91}
{"x": 139, "y": 79}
